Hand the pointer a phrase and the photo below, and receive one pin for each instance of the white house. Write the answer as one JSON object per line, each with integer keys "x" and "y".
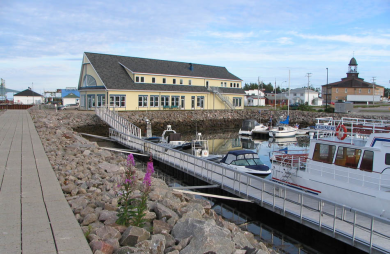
{"x": 302, "y": 96}
{"x": 70, "y": 99}
{"x": 254, "y": 98}
{"x": 28, "y": 97}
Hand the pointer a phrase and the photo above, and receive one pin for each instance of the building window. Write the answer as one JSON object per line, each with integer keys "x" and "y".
{"x": 183, "y": 102}
{"x": 165, "y": 100}
{"x": 101, "y": 100}
{"x": 142, "y": 100}
{"x": 164, "y": 80}
{"x": 118, "y": 101}
{"x": 231, "y": 84}
{"x": 336, "y": 97}
{"x": 154, "y": 100}
{"x": 346, "y": 90}
{"x": 193, "y": 102}
{"x": 175, "y": 101}
{"x": 237, "y": 101}
{"x": 89, "y": 81}
{"x": 238, "y": 85}
{"x": 224, "y": 84}
{"x": 142, "y": 79}
{"x": 360, "y": 90}
{"x": 174, "y": 81}
{"x": 181, "y": 81}
{"x": 136, "y": 79}
{"x": 207, "y": 84}
{"x": 189, "y": 82}
{"x": 369, "y": 90}
{"x": 153, "y": 80}
{"x": 295, "y": 94}
{"x": 337, "y": 90}
{"x": 221, "y": 84}
{"x": 200, "y": 102}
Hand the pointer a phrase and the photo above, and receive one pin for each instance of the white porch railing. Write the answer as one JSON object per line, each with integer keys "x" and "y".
{"x": 117, "y": 122}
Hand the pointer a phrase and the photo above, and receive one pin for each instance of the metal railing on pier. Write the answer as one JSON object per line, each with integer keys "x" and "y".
{"x": 354, "y": 227}
{"x": 117, "y": 122}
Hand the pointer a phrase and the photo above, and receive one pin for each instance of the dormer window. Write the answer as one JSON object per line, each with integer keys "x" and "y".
{"x": 189, "y": 82}
{"x": 153, "y": 80}
{"x": 174, "y": 81}
{"x": 164, "y": 80}
{"x": 136, "y": 79}
{"x": 142, "y": 79}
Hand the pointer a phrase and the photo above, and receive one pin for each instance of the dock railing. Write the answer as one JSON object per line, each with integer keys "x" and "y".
{"x": 362, "y": 230}
{"x": 117, "y": 122}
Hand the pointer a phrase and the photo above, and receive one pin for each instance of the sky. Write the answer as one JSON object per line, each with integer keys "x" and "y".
{"x": 42, "y": 42}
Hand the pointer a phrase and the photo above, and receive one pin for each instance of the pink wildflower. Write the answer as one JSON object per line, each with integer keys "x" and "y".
{"x": 130, "y": 160}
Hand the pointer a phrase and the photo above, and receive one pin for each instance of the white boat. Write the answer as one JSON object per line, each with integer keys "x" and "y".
{"x": 246, "y": 161}
{"x": 349, "y": 166}
{"x": 250, "y": 127}
{"x": 283, "y": 130}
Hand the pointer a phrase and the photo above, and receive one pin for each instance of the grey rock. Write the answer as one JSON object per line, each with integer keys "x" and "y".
{"x": 89, "y": 218}
{"x": 134, "y": 235}
{"x": 102, "y": 246}
{"x": 240, "y": 240}
{"x": 109, "y": 217}
{"x": 161, "y": 227}
{"x": 87, "y": 211}
{"x": 164, "y": 212}
{"x": 68, "y": 188}
{"x": 108, "y": 167}
{"x": 108, "y": 232}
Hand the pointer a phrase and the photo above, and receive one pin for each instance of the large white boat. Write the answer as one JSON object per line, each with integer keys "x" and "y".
{"x": 350, "y": 165}
{"x": 250, "y": 127}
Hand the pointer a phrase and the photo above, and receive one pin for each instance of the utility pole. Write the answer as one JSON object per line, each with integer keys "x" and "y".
{"x": 258, "y": 91}
{"x": 308, "y": 85}
{"x": 326, "y": 88}
{"x": 373, "y": 90}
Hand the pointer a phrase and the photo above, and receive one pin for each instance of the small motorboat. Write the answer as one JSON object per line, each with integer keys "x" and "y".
{"x": 246, "y": 161}
{"x": 250, "y": 126}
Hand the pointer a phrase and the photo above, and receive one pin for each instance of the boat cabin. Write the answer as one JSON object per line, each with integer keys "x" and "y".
{"x": 371, "y": 155}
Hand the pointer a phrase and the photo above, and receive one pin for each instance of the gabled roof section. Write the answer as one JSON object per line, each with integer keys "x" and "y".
{"x": 28, "y": 92}
{"x": 111, "y": 69}
{"x": 71, "y": 96}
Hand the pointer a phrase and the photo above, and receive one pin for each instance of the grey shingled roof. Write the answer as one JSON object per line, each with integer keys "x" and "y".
{"x": 28, "y": 92}
{"x": 114, "y": 75}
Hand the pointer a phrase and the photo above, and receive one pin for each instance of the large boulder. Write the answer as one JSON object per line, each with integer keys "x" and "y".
{"x": 134, "y": 235}
{"x": 107, "y": 232}
{"x": 206, "y": 237}
{"x": 164, "y": 212}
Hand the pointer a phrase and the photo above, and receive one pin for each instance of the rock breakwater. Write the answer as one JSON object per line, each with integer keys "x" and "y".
{"x": 88, "y": 175}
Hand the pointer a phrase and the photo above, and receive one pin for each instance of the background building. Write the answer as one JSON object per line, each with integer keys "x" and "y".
{"x": 130, "y": 83}
{"x": 28, "y": 97}
{"x": 352, "y": 88}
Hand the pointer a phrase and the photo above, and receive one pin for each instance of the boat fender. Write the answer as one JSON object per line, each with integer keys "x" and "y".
{"x": 205, "y": 153}
{"x": 341, "y": 132}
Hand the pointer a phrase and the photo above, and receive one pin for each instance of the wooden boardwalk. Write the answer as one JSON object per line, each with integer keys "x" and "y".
{"x": 34, "y": 214}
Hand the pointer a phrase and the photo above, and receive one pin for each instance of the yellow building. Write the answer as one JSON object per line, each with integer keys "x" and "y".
{"x": 352, "y": 88}
{"x": 131, "y": 83}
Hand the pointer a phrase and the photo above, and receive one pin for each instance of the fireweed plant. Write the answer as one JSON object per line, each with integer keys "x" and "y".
{"x": 132, "y": 208}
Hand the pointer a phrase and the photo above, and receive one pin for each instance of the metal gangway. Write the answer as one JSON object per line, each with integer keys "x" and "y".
{"x": 357, "y": 228}
{"x": 112, "y": 118}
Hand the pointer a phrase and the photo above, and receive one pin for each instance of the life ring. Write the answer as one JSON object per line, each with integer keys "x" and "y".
{"x": 341, "y": 132}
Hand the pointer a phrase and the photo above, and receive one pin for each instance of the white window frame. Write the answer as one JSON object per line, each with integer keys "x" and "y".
{"x": 346, "y": 90}
{"x": 136, "y": 78}
{"x": 181, "y": 81}
{"x": 165, "y": 100}
{"x": 118, "y": 100}
{"x": 101, "y": 100}
{"x": 189, "y": 82}
{"x": 142, "y": 101}
{"x": 154, "y": 101}
{"x": 200, "y": 102}
{"x": 142, "y": 79}
{"x": 175, "y": 100}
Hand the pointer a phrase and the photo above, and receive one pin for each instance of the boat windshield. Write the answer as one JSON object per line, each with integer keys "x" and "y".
{"x": 247, "y": 160}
